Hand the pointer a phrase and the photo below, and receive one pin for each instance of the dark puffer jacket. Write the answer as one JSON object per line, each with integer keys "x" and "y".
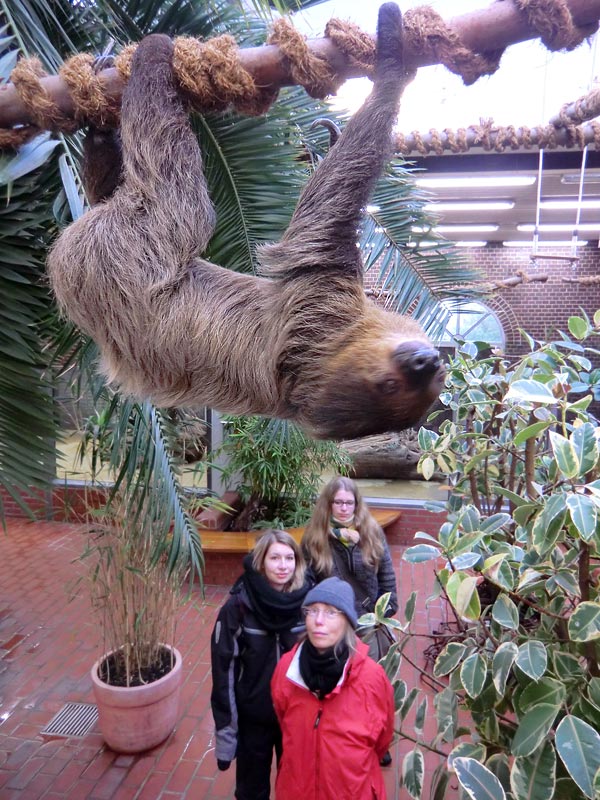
{"x": 244, "y": 653}
{"x": 374, "y": 582}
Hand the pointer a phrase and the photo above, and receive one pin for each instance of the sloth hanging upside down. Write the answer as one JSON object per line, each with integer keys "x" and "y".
{"x": 300, "y": 341}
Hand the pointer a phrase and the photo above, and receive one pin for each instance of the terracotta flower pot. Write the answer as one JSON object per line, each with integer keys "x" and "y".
{"x": 137, "y": 718}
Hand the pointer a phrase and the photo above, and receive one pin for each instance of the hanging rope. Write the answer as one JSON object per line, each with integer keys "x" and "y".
{"x": 538, "y": 209}
{"x": 213, "y": 78}
{"x": 575, "y": 235}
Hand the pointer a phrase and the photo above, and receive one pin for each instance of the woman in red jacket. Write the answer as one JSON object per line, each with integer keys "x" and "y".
{"x": 335, "y": 706}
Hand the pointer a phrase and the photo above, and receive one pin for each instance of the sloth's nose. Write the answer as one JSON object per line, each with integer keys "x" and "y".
{"x": 418, "y": 361}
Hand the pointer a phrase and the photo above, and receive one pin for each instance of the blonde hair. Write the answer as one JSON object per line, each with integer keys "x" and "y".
{"x": 316, "y": 542}
{"x": 261, "y": 548}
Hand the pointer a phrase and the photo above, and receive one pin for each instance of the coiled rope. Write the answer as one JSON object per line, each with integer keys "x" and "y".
{"x": 498, "y": 138}
{"x": 212, "y": 77}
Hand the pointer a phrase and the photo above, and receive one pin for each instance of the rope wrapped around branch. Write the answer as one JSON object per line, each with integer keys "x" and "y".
{"x": 520, "y": 277}
{"x": 489, "y": 287}
{"x": 213, "y": 78}
{"x": 554, "y": 23}
{"x": 584, "y": 280}
{"x": 497, "y": 138}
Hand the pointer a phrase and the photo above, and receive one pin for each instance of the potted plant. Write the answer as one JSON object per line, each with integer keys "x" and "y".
{"x": 136, "y": 595}
{"x": 517, "y": 557}
{"x": 276, "y": 469}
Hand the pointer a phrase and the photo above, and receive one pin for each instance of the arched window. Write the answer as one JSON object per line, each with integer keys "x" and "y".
{"x": 472, "y": 321}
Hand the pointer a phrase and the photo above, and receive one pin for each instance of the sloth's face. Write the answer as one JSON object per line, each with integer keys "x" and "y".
{"x": 389, "y": 387}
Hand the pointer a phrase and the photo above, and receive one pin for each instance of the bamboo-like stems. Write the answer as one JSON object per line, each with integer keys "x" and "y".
{"x": 135, "y": 596}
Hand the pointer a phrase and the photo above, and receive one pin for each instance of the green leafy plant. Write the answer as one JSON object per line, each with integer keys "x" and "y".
{"x": 517, "y": 558}
{"x": 276, "y": 469}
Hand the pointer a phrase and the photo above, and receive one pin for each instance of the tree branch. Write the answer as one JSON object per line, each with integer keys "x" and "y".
{"x": 483, "y": 31}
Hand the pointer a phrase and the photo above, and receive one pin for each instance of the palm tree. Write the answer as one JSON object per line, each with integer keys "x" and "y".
{"x": 255, "y": 174}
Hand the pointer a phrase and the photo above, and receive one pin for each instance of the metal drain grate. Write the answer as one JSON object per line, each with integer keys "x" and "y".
{"x": 74, "y": 719}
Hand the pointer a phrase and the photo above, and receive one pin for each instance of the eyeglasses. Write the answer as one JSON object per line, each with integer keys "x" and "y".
{"x": 344, "y": 503}
{"x": 328, "y": 613}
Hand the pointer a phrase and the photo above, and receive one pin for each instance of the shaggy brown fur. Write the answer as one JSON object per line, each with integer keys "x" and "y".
{"x": 299, "y": 342}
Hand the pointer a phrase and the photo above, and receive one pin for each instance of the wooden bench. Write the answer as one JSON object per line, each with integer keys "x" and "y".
{"x": 244, "y": 541}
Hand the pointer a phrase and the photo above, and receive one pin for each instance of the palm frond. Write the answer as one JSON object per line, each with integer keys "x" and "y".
{"x": 150, "y": 444}
{"x": 255, "y": 177}
{"x": 130, "y": 21}
{"x": 30, "y": 186}
{"x": 136, "y": 441}
{"x": 266, "y": 7}
{"x": 27, "y": 414}
{"x": 44, "y": 28}
{"x": 413, "y": 279}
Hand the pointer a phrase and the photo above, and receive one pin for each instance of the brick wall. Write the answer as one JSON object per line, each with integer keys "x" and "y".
{"x": 413, "y": 519}
{"x": 62, "y": 504}
{"x": 222, "y": 569}
{"x": 537, "y": 308}
{"x": 219, "y": 568}
{"x": 37, "y": 502}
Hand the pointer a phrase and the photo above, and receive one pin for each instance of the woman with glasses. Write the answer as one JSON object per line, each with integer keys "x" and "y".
{"x": 343, "y": 539}
{"x": 259, "y": 622}
{"x": 335, "y": 706}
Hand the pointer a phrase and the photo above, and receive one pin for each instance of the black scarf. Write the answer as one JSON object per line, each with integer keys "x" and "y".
{"x": 276, "y": 611}
{"x": 322, "y": 669}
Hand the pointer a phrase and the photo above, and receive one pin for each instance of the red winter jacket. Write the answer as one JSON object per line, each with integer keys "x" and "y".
{"x": 332, "y": 747}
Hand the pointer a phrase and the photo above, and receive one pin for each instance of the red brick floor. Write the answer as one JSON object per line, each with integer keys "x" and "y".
{"x": 48, "y": 643}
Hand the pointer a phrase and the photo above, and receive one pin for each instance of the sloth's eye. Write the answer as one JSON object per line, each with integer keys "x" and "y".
{"x": 388, "y": 386}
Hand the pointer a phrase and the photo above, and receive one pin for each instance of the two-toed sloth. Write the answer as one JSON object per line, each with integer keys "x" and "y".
{"x": 299, "y": 341}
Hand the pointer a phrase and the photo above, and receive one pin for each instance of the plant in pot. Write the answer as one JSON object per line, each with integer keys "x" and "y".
{"x": 136, "y": 596}
{"x": 141, "y": 545}
{"x": 276, "y": 469}
{"x": 518, "y": 557}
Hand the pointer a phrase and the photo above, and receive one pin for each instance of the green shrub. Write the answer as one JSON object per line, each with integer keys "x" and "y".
{"x": 517, "y": 558}
{"x": 277, "y": 469}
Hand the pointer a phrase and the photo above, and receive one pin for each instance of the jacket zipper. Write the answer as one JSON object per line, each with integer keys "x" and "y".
{"x": 366, "y": 603}
{"x": 277, "y": 648}
{"x": 350, "y": 556}
{"x": 318, "y": 752}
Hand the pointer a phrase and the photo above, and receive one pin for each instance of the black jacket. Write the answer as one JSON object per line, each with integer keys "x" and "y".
{"x": 245, "y": 647}
{"x": 373, "y": 582}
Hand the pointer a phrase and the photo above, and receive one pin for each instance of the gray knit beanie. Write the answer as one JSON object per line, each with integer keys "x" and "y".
{"x": 336, "y": 593}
